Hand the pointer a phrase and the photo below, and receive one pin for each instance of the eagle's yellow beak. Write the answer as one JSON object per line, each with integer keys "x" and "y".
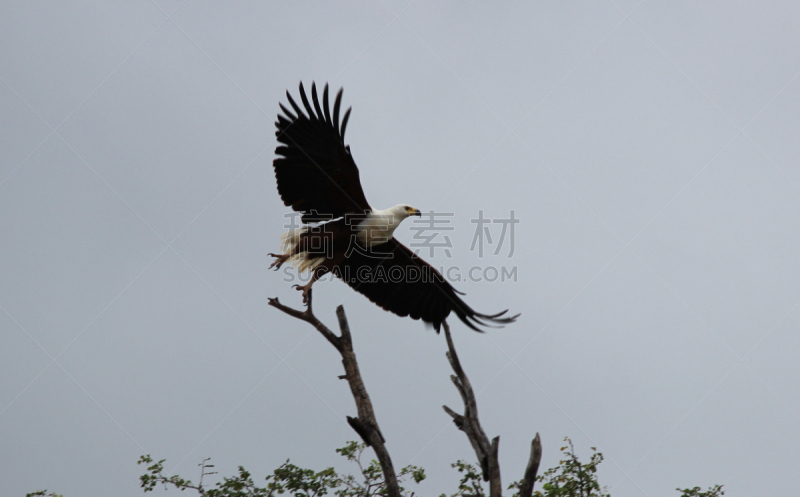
{"x": 414, "y": 212}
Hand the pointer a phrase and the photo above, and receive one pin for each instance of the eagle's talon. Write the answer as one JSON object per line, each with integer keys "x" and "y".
{"x": 306, "y": 289}
{"x": 279, "y": 260}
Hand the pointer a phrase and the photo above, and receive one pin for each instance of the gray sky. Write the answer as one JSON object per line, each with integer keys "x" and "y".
{"x": 649, "y": 150}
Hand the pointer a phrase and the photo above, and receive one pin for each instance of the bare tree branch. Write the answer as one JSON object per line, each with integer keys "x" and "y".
{"x": 526, "y": 485}
{"x": 469, "y": 423}
{"x": 309, "y": 317}
{"x": 366, "y": 425}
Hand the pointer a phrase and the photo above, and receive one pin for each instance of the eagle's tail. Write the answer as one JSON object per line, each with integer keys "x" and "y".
{"x": 300, "y": 259}
{"x": 476, "y": 320}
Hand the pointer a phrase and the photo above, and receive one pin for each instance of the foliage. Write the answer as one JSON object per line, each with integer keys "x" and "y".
{"x": 715, "y": 491}
{"x": 287, "y": 478}
{"x": 571, "y": 478}
{"x": 373, "y": 483}
{"x": 471, "y": 480}
{"x": 155, "y": 476}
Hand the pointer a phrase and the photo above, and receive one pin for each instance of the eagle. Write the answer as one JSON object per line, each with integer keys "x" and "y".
{"x": 341, "y": 233}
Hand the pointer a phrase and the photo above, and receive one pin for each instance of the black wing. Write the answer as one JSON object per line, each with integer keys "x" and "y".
{"x": 315, "y": 171}
{"x": 400, "y": 282}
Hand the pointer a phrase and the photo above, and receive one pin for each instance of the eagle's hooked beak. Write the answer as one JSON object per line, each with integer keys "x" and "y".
{"x": 415, "y": 212}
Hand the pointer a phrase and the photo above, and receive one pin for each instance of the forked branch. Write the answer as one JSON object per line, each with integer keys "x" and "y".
{"x": 485, "y": 451}
{"x": 469, "y": 423}
{"x": 366, "y": 425}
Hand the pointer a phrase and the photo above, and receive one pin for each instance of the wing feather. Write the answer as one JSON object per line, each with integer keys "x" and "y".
{"x": 344, "y": 121}
{"x": 325, "y": 105}
{"x": 294, "y": 105}
{"x": 336, "y": 105}
{"x": 316, "y": 102}
{"x": 304, "y": 98}
{"x": 315, "y": 172}
{"x": 401, "y": 282}
{"x": 289, "y": 115}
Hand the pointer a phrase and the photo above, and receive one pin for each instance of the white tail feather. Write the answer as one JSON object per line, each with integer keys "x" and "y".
{"x": 291, "y": 238}
{"x": 302, "y": 261}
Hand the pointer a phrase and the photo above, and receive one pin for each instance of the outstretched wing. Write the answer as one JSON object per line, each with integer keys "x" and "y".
{"x": 401, "y": 282}
{"x": 315, "y": 172}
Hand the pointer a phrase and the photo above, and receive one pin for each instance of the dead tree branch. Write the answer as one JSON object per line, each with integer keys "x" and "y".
{"x": 366, "y": 425}
{"x": 470, "y": 425}
{"x": 526, "y": 485}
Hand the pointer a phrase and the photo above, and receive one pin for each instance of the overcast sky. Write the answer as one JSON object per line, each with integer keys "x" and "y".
{"x": 648, "y": 149}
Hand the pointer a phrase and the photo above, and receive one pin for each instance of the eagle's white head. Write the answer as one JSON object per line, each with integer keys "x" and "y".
{"x": 378, "y": 227}
{"x": 403, "y": 211}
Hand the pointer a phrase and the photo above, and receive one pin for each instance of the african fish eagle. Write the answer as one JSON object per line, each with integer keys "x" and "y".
{"x": 341, "y": 233}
